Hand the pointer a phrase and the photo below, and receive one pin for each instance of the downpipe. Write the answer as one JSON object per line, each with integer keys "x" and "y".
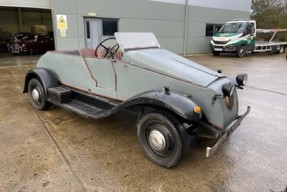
{"x": 185, "y": 28}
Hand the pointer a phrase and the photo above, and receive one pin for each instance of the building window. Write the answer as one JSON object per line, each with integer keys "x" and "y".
{"x": 110, "y": 26}
{"x": 211, "y": 29}
{"x": 88, "y": 30}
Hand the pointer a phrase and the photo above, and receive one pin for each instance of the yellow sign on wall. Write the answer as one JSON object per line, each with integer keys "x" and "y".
{"x": 62, "y": 23}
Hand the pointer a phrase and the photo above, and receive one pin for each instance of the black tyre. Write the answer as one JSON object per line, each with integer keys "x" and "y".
{"x": 281, "y": 49}
{"x": 32, "y": 51}
{"x": 241, "y": 52}
{"x": 215, "y": 53}
{"x": 11, "y": 51}
{"x": 161, "y": 140}
{"x": 37, "y": 95}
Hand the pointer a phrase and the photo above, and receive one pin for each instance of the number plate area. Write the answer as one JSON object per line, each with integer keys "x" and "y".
{"x": 217, "y": 49}
{"x": 211, "y": 150}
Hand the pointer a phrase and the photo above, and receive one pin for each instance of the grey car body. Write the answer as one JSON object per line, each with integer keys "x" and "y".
{"x": 176, "y": 98}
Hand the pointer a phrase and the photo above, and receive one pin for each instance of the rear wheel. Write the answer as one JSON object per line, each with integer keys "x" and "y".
{"x": 281, "y": 49}
{"x": 241, "y": 52}
{"x": 37, "y": 95}
{"x": 161, "y": 140}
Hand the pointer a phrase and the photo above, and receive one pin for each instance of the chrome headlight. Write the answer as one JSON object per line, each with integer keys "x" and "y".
{"x": 228, "y": 89}
{"x": 241, "y": 79}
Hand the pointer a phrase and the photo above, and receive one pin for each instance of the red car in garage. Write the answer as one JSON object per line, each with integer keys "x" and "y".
{"x": 27, "y": 43}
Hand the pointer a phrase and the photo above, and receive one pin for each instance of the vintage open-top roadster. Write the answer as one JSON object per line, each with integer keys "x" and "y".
{"x": 176, "y": 99}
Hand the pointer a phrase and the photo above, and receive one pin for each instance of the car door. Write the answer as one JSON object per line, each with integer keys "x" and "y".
{"x": 103, "y": 74}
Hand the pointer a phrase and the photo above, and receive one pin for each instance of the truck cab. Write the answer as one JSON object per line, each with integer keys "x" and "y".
{"x": 236, "y": 36}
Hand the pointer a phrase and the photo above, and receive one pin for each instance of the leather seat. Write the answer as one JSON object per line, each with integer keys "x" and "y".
{"x": 87, "y": 52}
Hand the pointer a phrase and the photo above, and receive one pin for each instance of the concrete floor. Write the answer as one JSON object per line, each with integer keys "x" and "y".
{"x": 57, "y": 150}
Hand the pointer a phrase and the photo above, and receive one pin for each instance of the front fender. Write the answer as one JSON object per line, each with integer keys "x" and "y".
{"x": 171, "y": 101}
{"x": 44, "y": 75}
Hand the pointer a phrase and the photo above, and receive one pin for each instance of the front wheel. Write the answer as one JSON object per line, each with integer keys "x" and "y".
{"x": 37, "y": 95}
{"x": 161, "y": 139}
{"x": 32, "y": 51}
{"x": 215, "y": 53}
{"x": 241, "y": 52}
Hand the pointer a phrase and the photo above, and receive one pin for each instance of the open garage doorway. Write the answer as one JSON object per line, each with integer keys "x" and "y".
{"x": 20, "y": 23}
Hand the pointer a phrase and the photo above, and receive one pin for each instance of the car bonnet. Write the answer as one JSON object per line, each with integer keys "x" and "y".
{"x": 167, "y": 63}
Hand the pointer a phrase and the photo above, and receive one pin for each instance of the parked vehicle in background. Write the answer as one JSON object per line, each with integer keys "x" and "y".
{"x": 3, "y": 46}
{"x": 5, "y": 39}
{"x": 240, "y": 36}
{"x": 27, "y": 43}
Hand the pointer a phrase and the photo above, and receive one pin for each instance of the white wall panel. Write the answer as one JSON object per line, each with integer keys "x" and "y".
{"x": 163, "y": 17}
{"x": 171, "y": 1}
{"x": 239, "y": 5}
{"x": 46, "y": 4}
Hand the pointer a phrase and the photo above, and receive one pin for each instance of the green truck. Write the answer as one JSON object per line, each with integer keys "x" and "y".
{"x": 241, "y": 36}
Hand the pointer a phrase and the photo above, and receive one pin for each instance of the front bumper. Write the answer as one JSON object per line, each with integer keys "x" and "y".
{"x": 18, "y": 48}
{"x": 211, "y": 150}
{"x": 223, "y": 48}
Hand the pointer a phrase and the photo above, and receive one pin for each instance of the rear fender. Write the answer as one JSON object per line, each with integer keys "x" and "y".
{"x": 44, "y": 75}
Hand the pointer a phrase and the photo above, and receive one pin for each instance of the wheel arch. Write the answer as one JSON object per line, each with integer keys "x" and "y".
{"x": 43, "y": 75}
{"x": 171, "y": 102}
{"x": 244, "y": 44}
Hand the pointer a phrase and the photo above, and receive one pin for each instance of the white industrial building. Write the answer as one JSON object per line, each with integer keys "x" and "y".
{"x": 182, "y": 26}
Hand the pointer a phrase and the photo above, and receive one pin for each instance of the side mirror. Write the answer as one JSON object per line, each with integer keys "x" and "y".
{"x": 252, "y": 31}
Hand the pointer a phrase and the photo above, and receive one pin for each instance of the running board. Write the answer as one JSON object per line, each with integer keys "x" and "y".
{"x": 89, "y": 106}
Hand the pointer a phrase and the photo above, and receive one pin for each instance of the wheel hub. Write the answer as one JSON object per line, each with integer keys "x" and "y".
{"x": 157, "y": 140}
{"x": 35, "y": 95}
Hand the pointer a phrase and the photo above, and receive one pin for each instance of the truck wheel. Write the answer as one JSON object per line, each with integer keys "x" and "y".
{"x": 161, "y": 140}
{"x": 37, "y": 95}
{"x": 241, "y": 52}
{"x": 281, "y": 49}
{"x": 215, "y": 53}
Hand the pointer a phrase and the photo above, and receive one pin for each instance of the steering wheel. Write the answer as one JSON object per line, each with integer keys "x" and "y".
{"x": 109, "y": 51}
